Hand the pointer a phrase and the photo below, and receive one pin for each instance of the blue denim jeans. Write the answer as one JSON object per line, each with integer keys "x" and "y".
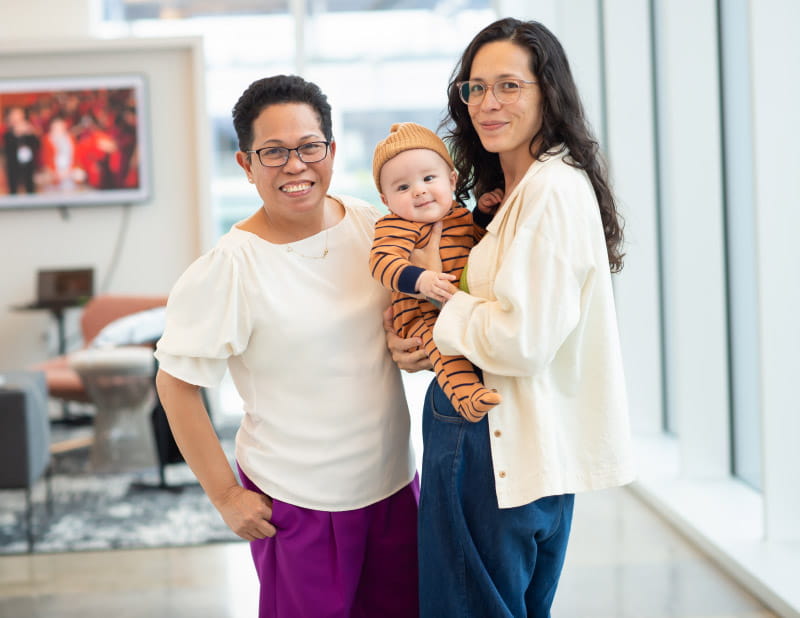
{"x": 477, "y": 560}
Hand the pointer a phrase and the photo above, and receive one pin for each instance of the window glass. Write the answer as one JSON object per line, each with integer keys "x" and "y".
{"x": 741, "y": 250}
{"x": 378, "y": 65}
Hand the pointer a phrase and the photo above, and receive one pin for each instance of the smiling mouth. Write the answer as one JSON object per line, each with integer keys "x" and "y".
{"x": 296, "y": 188}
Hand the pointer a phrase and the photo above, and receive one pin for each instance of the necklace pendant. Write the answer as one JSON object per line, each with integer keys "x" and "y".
{"x": 290, "y": 249}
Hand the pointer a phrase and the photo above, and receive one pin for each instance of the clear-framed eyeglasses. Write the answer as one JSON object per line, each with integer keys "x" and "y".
{"x": 276, "y": 156}
{"x": 473, "y": 91}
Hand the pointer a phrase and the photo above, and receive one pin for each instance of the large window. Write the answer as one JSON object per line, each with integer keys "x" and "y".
{"x": 741, "y": 252}
{"x": 379, "y": 63}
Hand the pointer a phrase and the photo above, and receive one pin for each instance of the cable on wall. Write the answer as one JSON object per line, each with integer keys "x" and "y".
{"x": 112, "y": 266}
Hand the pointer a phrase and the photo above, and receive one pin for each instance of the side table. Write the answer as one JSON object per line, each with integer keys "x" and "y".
{"x": 120, "y": 382}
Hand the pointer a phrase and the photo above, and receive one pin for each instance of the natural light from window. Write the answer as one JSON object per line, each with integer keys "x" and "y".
{"x": 376, "y": 66}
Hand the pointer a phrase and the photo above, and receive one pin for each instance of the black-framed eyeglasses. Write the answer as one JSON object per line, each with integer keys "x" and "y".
{"x": 473, "y": 91}
{"x": 276, "y": 156}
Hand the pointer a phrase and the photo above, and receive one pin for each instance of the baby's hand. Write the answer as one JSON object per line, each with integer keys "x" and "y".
{"x": 435, "y": 285}
{"x": 488, "y": 202}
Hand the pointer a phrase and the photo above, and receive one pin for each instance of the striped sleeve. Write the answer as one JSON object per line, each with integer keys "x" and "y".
{"x": 392, "y": 244}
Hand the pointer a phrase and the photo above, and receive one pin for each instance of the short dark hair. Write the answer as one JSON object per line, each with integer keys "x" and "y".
{"x": 563, "y": 122}
{"x": 274, "y": 90}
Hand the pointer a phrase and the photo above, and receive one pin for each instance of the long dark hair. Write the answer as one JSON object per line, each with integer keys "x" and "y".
{"x": 563, "y": 123}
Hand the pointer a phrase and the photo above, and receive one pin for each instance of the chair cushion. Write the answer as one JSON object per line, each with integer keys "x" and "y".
{"x": 105, "y": 308}
{"x": 137, "y": 328}
{"x": 63, "y": 381}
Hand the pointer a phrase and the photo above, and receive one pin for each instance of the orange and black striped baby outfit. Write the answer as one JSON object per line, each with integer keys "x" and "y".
{"x": 394, "y": 240}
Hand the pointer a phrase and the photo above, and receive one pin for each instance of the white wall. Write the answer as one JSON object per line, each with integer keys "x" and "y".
{"x": 163, "y": 235}
{"x": 46, "y": 18}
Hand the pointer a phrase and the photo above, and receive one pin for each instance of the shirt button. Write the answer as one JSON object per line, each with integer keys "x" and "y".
{"x": 497, "y": 433}
{"x": 502, "y": 474}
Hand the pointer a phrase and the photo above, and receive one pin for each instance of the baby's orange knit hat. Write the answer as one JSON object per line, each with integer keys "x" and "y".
{"x": 406, "y": 136}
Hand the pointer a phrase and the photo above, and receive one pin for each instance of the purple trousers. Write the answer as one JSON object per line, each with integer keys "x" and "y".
{"x": 346, "y": 564}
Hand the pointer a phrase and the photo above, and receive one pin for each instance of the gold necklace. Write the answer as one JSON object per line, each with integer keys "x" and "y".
{"x": 290, "y": 249}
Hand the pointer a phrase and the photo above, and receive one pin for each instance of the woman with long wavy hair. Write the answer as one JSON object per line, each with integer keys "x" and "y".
{"x": 535, "y": 312}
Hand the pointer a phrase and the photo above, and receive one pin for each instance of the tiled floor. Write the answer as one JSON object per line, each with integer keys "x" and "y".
{"x": 623, "y": 561}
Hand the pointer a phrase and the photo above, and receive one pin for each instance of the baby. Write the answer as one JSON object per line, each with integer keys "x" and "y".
{"x": 416, "y": 178}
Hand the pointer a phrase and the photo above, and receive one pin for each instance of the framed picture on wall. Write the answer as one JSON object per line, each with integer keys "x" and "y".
{"x": 74, "y": 141}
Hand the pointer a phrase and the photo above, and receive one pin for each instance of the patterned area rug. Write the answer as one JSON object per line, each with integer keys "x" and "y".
{"x": 115, "y": 511}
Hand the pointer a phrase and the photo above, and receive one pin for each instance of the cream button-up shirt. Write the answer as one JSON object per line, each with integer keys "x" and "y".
{"x": 540, "y": 321}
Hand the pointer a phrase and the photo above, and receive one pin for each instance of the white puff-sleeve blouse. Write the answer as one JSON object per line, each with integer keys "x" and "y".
{"x": 325, "y": 424}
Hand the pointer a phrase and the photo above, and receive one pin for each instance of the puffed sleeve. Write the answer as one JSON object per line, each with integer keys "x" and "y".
{"x": 208, "y": 320}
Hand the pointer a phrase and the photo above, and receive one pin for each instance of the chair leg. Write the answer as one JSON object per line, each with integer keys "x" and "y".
{"x": 162, "y": 475}
{"x": 29, "y": 518}
{"x": 48, "y": 480}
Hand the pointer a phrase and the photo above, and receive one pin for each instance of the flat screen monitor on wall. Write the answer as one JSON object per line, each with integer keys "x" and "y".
{"x": 73, "y": 141}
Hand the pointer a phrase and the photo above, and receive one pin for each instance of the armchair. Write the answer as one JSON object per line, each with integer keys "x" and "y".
{"x": 63, "y": 382}
{"x": 24, "y": 437}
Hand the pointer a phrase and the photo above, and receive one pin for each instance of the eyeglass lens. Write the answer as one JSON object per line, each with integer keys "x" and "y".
{"x": 311, "y": 152}
{"x": 505, "y": 91}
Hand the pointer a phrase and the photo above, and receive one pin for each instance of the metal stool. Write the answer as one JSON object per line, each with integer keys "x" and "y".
{"x": 120, "y": 382}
